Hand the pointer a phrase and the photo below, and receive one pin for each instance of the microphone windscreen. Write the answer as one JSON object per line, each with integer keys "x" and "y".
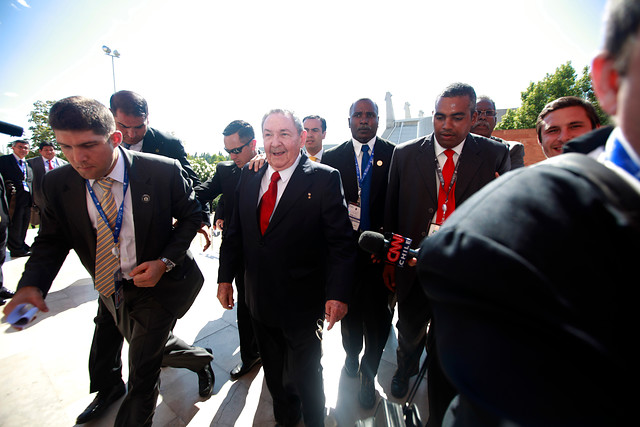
{"x": 372, "y": 242}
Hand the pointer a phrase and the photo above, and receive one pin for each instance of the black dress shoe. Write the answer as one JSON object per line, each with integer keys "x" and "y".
{"x": 367, "y": 393}
{"x": 5, "y": 293}
{"x": 19, "y": 254}
{"x": 206, "y": 378}
{"x": 100, "y": 403}
{"x": 351, "y": 366}
{"x": 243, "y": 368}
{"x": 399, "y": 385}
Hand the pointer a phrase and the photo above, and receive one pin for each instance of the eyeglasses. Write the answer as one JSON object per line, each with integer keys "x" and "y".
{"x": 487, "y": 113}
{"x": 237, "y": 150}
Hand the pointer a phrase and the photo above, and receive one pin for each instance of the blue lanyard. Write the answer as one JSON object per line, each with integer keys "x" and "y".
{"x": 361, "y": 175}
{"x": 619, "y": 156}
{"x": 96, "y": 202}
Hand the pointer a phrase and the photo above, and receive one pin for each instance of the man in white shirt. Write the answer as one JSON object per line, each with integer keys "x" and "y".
{"x": 45, "y": 162}
{"x": 316, "y": 128}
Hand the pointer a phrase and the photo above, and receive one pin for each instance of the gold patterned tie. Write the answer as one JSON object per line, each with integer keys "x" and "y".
{"x": 106, "y": 261}
{"x": 314, "y": 158}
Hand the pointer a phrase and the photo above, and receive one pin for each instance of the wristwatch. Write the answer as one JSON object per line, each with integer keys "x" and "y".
{"x": 170, "y": 264}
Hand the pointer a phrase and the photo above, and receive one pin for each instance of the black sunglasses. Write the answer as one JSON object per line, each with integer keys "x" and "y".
{"x": 237, "y": 150}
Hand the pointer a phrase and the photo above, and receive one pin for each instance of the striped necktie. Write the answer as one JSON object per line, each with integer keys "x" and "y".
{"x": 107, "y": 263}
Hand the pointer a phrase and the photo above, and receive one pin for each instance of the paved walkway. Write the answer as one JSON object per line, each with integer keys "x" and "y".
{"x": 43, "y": 368}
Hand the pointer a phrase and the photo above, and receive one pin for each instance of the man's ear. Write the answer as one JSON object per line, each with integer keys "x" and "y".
{"x": 116, "y": 138}
{"x": 605, "y": 79}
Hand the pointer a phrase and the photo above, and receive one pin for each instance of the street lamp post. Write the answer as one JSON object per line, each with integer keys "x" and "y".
{"x": 114, "y": 54}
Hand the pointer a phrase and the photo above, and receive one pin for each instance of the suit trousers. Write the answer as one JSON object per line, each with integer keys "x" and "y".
{"x": 146, "y": 325}
{"x": 369, "y": 316}
{"x": 414, "y": 313}
{"x": 291, "y": 361}
{"x": 17, "y": 230}
{"x": 248, "y": 343}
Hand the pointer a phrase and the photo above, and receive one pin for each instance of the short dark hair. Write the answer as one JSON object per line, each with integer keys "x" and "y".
{"x": 565, "y": 102}
{"x": 130, "y": 103}
{"x": 317, "y": 117}
{"x": 78, "y": 113}
{"x": 19, "y": 141}
{"x": 46, "y": 144}
{"x": 363, "y": 99}
{"x": 287, "y": 113}
{"x": 622, "y": 21}
{"x": 460, "y": 89}
{"x": 243, "y": 129}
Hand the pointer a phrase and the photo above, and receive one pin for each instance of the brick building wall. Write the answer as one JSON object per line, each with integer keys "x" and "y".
{"x": 528, "y": 137}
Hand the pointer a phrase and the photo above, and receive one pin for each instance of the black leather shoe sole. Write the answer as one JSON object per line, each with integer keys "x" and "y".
{"x": 206, "y": 379}
{"x": 243, "y": 369}
{"x": 100, "y": 403}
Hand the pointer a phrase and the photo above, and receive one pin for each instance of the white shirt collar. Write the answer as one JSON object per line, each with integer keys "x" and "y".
{"x": 285, "y": 174}
{"x": 357, "y": 145}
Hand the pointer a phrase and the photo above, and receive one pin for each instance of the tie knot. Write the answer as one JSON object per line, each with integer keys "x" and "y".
{"x": 106, "y": 183}
{"x": 365, "y": 148}
{"x": 449, "y": 153}
{"x": 275, "y": 177}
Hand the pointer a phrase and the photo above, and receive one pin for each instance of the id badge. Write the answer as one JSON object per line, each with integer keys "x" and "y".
{"x": 354, "y": 215}
{"x": 433, "y": 228}
{"x": 118, "y": 296}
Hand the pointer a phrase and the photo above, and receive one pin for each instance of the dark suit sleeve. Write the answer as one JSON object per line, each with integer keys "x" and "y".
{"x": 188, "y": 213}
{"x": 339, "y": 235}
{"x": 231, "y": 251}
{"x": 50, "y": 247}
{"x": 516, "y": 154}
{"x": 392, "y": 199}
{"x": 208, "y": 191}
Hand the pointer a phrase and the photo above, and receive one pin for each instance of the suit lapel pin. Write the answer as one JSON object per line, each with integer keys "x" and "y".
{"x": 379, "y": 163}
{"x": 146, "y": 198}
{"x": 309, "y": 196}
{"x": 157, "y": 150}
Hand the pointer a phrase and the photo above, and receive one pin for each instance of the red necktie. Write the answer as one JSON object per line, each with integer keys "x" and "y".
{"x": 447, "y": 173}
{"x": 50, "y": 165}
{"x": 268, "y": 202}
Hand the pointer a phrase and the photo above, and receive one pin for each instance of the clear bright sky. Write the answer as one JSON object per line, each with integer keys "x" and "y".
{"x": 203, "y": 63}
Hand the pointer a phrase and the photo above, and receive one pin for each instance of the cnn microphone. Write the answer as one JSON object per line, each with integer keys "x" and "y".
{"x": 396, "y": 251}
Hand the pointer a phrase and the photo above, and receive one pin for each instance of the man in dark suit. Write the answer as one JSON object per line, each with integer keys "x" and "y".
{"x": 131, "y": 113}
{"x": 418, "y": 201}
{"x": 485, "y": 123}
{"x": 240, "y": 143}
{"x": 537, "y": 328}
{"x": 4, "y": 221}
{"x": 45, "y": 162}
{"x": 365, "y": 187}
{"x": 150, "y": 279}
{"x": 18, "y": 178}
{"x": 291, "y": 230}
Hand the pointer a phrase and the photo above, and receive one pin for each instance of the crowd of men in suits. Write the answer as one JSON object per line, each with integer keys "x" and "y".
{"x": 290, "y": 230}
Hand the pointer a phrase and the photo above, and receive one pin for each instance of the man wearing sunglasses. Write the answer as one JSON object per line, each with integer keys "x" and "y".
{"x": 486, "y": 122}
{"x": 240, "y": 143}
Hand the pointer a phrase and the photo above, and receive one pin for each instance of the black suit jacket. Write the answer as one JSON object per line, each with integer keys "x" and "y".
{"x": 306, "y": 255}
{"x": 412, "y": 198}
{"x": 224, "y": 182}
{"x": 531, "y": 285}
{"x": 160, "y": 191}
{"x": 157, "y": 142}
{"x": 11, "y": 172}
{"x": 37, "y": 166}
{"x": 342, "y": 158}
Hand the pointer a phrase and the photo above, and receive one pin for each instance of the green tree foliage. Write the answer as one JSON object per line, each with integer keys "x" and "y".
{"x": 203, "y": 168}
{"x": 564, "y": 82}
{"x": 40, "y": 129}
